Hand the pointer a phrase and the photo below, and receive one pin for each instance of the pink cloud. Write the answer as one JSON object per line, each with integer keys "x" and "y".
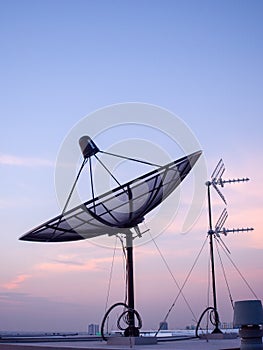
{"x": 16, "y": 282}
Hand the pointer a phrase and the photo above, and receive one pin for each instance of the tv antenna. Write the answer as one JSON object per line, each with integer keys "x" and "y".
{"x": 119, "y": 211}
{"x": 216, "y": 230}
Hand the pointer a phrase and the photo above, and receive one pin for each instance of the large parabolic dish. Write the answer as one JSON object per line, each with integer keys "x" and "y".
{"x": 122, "y": 208}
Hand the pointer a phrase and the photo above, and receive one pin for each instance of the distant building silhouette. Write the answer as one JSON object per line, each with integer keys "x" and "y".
{"x": 227, "y": 325}
{"x": 192, "y": 327}
{"x": 163, "y": 326}
{"x": 93, "y": 329}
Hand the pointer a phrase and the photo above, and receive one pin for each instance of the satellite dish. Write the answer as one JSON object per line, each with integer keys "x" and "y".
{"x": 116, "y": 211}
{"x": 122, "y": 208}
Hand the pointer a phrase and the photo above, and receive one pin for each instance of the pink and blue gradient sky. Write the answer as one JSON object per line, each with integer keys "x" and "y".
{"x": 61, "y": 60}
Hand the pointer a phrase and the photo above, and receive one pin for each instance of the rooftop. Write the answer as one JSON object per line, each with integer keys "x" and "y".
{"x": 196, "y": 344}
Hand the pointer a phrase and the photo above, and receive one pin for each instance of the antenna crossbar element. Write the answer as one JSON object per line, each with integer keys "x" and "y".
{"x": 222, "y": 182}
{"x": 221, "y": 221}
{"x": 233, "y": 230}
{"x": 219, "y": 193}
{"x": 234, "y": 180}
{"x": 218, "y": 172}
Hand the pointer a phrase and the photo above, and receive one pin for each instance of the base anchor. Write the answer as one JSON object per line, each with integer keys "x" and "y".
{"x": 130, "y": 341}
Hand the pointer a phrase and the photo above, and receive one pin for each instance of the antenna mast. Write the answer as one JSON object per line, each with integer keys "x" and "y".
{"x": 214, "y": 231}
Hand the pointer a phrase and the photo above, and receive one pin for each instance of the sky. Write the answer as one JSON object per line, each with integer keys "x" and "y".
{"x": 61, "y": 61}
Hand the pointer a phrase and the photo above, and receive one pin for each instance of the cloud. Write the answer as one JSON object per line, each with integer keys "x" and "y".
{"x": 18, "y": 297}
{"x": 16, "y": 282}
{"x": 7, "y": 159}
{"x": 15, "y": 298}
{"x": 67, "y": 263}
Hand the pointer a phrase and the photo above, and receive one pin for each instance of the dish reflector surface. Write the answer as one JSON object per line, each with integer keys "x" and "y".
{"x": 117, "y": 210}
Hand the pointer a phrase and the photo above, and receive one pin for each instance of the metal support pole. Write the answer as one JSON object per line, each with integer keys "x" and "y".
{"x": 131, "y": 330}
{"x": 211, "y": 232}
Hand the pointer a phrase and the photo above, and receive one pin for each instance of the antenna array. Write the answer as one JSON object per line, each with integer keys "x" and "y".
{"x": 215, "y": 231}
{"x": 216, "y": 179}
